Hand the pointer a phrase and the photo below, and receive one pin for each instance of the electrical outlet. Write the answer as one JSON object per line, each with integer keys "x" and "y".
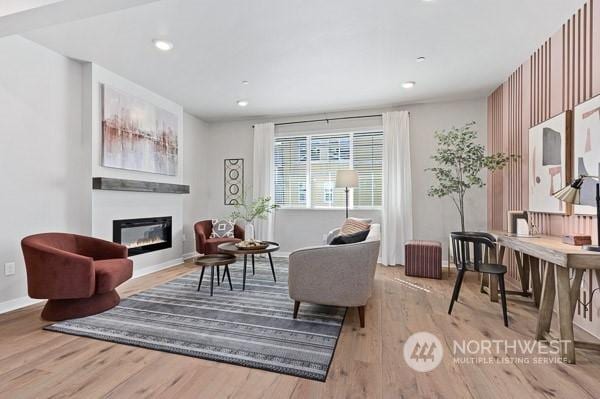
{"x": 9, "y": 268}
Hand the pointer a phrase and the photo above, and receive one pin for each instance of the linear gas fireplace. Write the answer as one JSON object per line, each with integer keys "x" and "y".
{"x": 143, "y": 235}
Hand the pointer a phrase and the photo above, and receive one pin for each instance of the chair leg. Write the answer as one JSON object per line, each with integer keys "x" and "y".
{"x": 228, "y": 277}
{"x": 361, "y": 316}
{"x": 218, "y": 276}
{"x": 296, "y": 308}
{"x": 244, "y": 277}
{"x": 212, "y": 278}
{"x": 272, "y": 267}
{"x": 457, "y": 284}
{"x": 503, "y": 299}
{"x": 253, "y": 270}
{"x": 200, "y": 281}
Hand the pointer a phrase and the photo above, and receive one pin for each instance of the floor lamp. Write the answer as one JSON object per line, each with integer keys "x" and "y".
{"x": 571, "y": 194}
{"x": 346, "y": 179}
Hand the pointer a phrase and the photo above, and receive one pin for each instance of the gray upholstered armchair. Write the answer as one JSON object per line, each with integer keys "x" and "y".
{"x": 337, "y": 275}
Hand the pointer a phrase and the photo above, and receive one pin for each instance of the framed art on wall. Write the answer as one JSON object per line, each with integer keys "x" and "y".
{"x": 549, "y": 163}
{"x": 233, "y": 181}
{"x": 586, "y": 150}
{"x": 137, "y": 135}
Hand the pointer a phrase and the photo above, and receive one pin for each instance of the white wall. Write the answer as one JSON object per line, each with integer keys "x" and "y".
{"x": 434, "y": 218}
{"x": 44, "y": 161}
{"x": 197, "y": 170}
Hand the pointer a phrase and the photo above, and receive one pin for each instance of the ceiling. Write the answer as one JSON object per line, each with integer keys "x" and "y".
{"x": 311, "y": 56}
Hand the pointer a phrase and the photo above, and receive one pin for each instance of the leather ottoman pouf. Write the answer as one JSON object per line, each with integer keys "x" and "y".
{"x": 423, "y": 259}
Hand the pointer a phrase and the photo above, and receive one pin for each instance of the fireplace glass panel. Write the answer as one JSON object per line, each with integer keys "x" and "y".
{"x": 143, "y": 235}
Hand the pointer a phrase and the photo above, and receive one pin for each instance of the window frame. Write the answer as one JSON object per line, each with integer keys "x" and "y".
{"x": 307, "y": 136}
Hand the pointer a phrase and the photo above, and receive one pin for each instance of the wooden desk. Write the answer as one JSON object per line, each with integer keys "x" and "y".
{"x": 560, "y": 261}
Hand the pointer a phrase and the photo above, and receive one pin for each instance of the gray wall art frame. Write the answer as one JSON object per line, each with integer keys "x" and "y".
{"x": 233, "y": 176}
{"x": 550, "y": 163}
{"x": 586, "y": 149}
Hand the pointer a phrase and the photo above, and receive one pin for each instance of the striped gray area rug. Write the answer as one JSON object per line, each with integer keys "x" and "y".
{"x": 251, "y": 328}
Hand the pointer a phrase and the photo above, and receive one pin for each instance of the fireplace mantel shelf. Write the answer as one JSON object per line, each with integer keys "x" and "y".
{"x": 107, "y": 183}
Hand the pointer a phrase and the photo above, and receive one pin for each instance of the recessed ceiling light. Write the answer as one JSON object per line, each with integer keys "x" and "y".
{"x": 163, "y": 45}
{"x": 245, "y": 82}
{"x": 420, "y": 59}
{"x": 408, "y": 85}
{"x": 242, "y": 103}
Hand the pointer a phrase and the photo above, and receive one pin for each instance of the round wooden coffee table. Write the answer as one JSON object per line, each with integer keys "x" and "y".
{"x": 231, "y": 249}
{"x": 212, "y": 261}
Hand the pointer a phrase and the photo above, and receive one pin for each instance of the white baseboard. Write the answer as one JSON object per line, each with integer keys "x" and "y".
{"x": 18, "y": 303}
{"x": 24, "y": 301}
{"x": 189, "y": 255}
{"x": 156, "y": 268}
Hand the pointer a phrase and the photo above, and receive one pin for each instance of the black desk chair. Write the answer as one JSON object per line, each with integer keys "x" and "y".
{"x": 462, "y": 245}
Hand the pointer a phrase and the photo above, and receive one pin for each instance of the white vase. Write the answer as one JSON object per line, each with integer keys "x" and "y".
{"x": 249, "y": 231}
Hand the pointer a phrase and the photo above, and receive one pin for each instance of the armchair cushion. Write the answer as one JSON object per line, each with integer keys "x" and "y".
{"x": 112, "y": 272}
{"x": 350, "y": 239}
{"x": 222, "y": 228}
{"x": 211, "y": 246}
{"x": 352, "y": 225}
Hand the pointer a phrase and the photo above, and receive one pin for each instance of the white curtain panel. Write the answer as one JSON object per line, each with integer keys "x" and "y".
{"x": 397, "y": 221}
{"x": 262, "y": 179}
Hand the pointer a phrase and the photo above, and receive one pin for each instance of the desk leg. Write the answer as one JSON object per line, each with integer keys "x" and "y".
{"x": 483, "y": 283}
{"x": 493, "y": 281}
{"x": 564, "y": 314}
{"x": 526, "y": 273}
{"x": 546, "y": 303}
{"x": 536, "y": 283}
{"x": 501, "y": 251}
{"x": 575, "y": 290}
{"x": 521, "y": 270}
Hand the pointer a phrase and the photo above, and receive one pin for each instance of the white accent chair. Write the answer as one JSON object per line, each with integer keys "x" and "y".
{"x": 336, "y": 275}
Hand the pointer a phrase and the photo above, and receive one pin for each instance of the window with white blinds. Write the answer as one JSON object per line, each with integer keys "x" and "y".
{"x": 306, "y": 166}
{"x": 367, "y": 157}
{"x": 290, "y": 172}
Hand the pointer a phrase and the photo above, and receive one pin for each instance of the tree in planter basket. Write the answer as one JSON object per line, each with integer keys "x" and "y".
{"x": 459, "y": 161}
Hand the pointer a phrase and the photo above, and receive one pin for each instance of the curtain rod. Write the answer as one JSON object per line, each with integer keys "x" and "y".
{"x": 326, "y": 119}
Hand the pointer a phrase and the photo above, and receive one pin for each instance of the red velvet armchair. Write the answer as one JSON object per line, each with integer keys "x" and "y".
{"x": 206, "y": 245}
{"x": 77, "y": 274}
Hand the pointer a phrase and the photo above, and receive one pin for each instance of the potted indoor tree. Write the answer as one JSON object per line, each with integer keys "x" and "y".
{"x": 459, "y": 162}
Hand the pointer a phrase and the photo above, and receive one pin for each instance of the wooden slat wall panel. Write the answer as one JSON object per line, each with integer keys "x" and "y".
{"x": 563, "y": 72}
{"x": 494, "y": 187}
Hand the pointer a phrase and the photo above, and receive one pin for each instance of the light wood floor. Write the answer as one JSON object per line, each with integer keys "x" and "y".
{"x": 368, "y": 363}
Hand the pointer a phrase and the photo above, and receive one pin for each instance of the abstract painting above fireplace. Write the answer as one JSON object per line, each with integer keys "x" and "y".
{"x": 143, "y": 235}
{"x": 137, "y": 135}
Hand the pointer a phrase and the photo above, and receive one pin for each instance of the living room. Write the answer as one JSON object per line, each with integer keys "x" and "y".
{"x": 283, "y": 198}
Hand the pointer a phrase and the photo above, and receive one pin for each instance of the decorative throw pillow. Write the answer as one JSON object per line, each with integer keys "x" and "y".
{"x": 350, "y": 239}
{"x": 222, "y": 228}
{"x": 352, "y": 225}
